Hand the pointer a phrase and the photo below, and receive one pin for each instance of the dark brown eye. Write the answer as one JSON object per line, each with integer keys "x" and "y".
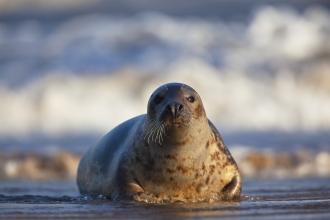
{"x": 158, "y": 99}
{"x": 191, "y": 99}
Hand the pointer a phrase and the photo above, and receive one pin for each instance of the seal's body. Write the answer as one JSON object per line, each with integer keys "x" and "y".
{"x": 173, "y": 151}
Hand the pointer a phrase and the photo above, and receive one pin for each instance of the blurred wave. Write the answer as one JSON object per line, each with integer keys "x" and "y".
{"x": 92, "y": 72}
{"x": 58, "y": 104}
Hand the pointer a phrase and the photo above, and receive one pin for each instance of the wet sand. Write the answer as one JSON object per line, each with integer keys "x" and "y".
{"x": 262, "y": 199}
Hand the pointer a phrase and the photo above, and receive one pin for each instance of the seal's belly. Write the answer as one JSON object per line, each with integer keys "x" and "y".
{"x": 184, "y": 183}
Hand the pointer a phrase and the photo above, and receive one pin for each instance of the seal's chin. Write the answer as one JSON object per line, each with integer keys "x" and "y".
{"x": 177, "y": 123}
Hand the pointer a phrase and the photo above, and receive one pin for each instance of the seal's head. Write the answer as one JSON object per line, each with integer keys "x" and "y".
{"x": 173, "y": 107}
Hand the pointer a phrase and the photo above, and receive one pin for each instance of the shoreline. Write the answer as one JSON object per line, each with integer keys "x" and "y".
{"x": 307, "y": 198}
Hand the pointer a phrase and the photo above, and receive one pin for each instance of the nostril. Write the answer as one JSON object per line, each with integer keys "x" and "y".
{"x": 233, "y": 189}
{"x": 169, "y": 108}
{"x": 180, "y": 107}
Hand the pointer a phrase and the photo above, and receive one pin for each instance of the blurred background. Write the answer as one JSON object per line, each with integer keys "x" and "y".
{"x": 70, "y": 71}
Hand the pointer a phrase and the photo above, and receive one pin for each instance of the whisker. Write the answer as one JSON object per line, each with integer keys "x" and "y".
{"x": 158, "y": 133}
{"x": 152, "y": 122}
{"x": 154, "y": 131}
{"x": 161, "y": 131}
{"x": 150, "y": 128}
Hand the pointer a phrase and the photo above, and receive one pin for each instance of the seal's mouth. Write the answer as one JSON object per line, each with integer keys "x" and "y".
{"x": 177, "y": 122}
{"x": 157, "y": 128}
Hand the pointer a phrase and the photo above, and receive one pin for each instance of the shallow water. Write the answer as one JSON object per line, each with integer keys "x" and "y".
{"x": 287, "y": 199}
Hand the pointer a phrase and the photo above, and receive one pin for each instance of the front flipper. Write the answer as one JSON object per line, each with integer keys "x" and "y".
{"x": 233, "y": 189}
{"x": 139, "y": 197}
{"x": 133, "y": 191}
{"x": 142, "y": 197}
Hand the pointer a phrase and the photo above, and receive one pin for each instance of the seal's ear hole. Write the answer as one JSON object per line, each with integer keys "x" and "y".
{"x": 158, "y": 99}
{"x": 191, "y": 99}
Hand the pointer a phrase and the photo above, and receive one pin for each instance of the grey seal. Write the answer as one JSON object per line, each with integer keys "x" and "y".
{"x": 171, "y": 153}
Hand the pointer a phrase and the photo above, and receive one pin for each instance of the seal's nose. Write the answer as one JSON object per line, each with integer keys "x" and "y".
{"x": 174, "y": 109}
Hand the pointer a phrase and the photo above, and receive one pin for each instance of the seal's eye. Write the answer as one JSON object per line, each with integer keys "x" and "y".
{"x": 191, "y": 99}
{"x": 158, "y": 99}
